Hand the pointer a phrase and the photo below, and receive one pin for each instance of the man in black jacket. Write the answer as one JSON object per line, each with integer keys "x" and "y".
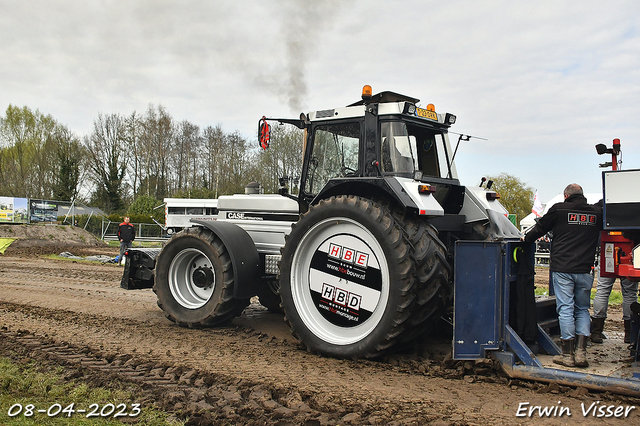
{"x": 126, "y": 235}
{"x": 576, "y": 226}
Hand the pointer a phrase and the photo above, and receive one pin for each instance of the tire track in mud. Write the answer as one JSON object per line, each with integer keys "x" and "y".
{"x": 178, "y": 385}
{"x": 239, "y": 374}
{"x": 202, "y": 398}
{"x": 62, "y": 275}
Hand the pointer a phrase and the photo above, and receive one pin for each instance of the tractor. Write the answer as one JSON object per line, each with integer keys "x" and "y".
{"x": 361, "y": 259}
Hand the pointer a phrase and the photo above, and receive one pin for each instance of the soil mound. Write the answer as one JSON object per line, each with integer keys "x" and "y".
{"x": 32, "y": 239}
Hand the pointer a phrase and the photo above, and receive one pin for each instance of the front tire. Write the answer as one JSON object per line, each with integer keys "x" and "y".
{"x": 348, "y": 279}
{"x": 194, "y": 280}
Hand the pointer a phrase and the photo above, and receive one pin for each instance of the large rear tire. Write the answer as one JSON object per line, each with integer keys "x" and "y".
{"x": 194, "y": 280}
{"x": 434, "y": 293}
{"x": 349, "y": 278}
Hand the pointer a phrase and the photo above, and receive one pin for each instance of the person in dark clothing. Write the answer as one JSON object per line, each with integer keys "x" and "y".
{"x": 576, "y": 227}
{"x": 126, "y": 235}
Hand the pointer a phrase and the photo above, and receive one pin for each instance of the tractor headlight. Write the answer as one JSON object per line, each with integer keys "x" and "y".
{"x": 409, "y": 109}
{"x": 449, "y": 119}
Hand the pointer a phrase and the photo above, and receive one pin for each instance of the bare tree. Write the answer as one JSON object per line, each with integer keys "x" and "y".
{"x": 282, "y": 158}
{"x": 154, "y": 151}
{"x": 234, "y": 169}
{"x": 187, "y": 156}
{"x": 160, "y": 129}
{"x": 108, "y": 161}
{"x": 213, "y": 144}
{"x": 133, "y": 137}
{"x": 130, "y": 156}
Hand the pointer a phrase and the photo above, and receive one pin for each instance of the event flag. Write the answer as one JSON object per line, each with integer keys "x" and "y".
{"x": 537, "y": 208}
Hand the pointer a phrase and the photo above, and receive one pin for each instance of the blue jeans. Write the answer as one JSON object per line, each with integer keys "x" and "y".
{"x": 603, "y": 291}
{"x": 573, "y": 298}
{"x": 124, "y": 245}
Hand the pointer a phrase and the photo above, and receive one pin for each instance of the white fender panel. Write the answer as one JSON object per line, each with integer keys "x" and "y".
{"x": 426, "y": 203}
{"x": 475, "y": 205}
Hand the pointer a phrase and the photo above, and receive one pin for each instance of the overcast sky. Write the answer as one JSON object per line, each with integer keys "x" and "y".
{"x": 543, "y": 81}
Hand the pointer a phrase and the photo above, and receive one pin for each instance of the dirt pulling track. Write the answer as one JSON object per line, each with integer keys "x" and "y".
{"x": 250, "y": 372}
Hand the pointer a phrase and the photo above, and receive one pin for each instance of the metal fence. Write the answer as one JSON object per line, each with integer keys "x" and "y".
{"x": 144, "y": 231}
{"x": 542, "y": 259}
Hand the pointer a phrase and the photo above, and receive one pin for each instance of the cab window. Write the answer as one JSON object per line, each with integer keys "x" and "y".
{"x": 406, "y": 147}
{"x": 336, "y": 151}
{"x": 397, "y": 148}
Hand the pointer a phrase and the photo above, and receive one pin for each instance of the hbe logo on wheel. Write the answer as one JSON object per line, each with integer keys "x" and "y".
{"x": 348, "y": 255}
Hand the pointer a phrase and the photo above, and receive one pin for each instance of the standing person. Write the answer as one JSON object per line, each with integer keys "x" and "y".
{"x": 576, "y": 226}
{"x": 601, "y": 303}
{"x": 126, "y": 235}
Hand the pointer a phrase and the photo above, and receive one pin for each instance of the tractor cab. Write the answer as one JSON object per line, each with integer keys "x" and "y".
{"x": 386, "y": 147}
{"x": 382, "y": 145}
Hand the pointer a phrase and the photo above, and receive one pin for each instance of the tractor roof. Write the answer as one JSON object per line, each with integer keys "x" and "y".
{"x": 384, "y": 97}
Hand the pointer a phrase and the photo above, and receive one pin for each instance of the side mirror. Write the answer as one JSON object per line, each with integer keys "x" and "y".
{"x": 264, "y": 133}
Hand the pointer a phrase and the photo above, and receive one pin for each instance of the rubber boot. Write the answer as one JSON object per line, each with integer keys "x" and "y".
{"x": 566, "y": 358}
{"x": 581, "y": 351}
{"x": 597, "y": 326}
{"x": 635, "y": 331}
{"x": 627, "y": 331}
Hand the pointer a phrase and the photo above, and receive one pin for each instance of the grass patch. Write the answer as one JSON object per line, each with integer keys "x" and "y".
{"x": 25, "y": 384}
{"x": 57, "y": 257}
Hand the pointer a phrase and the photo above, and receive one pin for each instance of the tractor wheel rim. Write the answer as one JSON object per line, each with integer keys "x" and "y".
{"x": 185, "y": 278}
{"x": 306, "y": 280}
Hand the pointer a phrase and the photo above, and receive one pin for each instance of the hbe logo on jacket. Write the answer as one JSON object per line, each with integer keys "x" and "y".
{"x": 582, "y": 219}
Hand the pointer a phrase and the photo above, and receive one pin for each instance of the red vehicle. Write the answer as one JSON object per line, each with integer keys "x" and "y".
{"x": 620, "y": 239}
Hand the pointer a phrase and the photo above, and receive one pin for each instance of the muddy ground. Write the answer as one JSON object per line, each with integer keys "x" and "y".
{"x": 251, "y": 371}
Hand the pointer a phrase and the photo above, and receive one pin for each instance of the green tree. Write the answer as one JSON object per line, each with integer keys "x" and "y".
{"x": 195, "y": 192}
{"x": 146, "y": 205}
{"x": 69, "y": 154}
{"x": 515, "y": 195}
{"x": 26, "y": 157}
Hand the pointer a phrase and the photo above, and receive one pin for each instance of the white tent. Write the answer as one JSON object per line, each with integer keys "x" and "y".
{"x": 530, "y": 219}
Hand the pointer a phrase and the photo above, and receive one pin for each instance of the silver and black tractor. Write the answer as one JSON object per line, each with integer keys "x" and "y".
{"x": 361, "y": 259}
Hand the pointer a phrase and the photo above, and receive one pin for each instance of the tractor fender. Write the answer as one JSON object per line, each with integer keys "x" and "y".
{"x": 367, "y": 187}
{"x": 243, "y": 253}
{"x": 403, "y": 191}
